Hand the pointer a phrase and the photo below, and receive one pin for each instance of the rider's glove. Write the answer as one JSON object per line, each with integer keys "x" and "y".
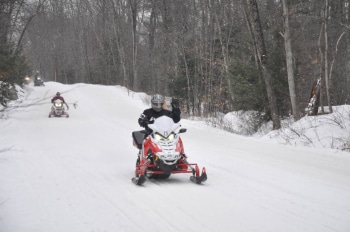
{"x": 175, "y": 103}
{"x": 143, "y": 120}
{"x": 142, "y": 123}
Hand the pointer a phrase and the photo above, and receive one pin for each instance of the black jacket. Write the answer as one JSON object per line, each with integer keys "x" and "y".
{"x": 150, "y": 113}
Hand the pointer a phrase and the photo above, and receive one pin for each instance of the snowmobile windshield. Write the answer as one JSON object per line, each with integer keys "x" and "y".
{"x": 164, "y": 126}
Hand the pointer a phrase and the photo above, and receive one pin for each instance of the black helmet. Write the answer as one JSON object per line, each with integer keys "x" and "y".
{"x": 157, "y": 102}
{"x": 58, "y": 94}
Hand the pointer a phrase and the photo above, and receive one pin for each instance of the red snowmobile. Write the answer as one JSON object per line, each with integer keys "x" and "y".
{"x": 162, "y": 153}
{"x": 58, "y": 110}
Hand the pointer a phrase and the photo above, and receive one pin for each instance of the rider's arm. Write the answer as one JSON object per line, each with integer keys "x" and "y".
{"x": 175, "y": 112}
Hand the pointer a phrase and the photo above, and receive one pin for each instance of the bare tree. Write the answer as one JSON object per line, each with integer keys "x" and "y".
{"x": 289, "y": 61}
{"x": 118, "y": 9}
{"x": 134, "y": 12}
{"x": 326, "y": 69}
{"x": 346, "y": 18}
{"x": 261, "y": 54}
{"x": 39, "y": 6}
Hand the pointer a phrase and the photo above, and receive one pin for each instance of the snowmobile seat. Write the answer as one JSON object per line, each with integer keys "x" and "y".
{"x": 138, "y": 137}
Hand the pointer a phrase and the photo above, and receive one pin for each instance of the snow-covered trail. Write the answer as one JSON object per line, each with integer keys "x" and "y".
{"x": 74, "y": 174}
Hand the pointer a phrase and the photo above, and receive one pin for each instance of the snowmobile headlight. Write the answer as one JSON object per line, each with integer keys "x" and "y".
{"x": 158, "y": 136}
{"x": 58, "y": 104}
{"x": 171, "y": 136}
{"x": 162, "y": 138}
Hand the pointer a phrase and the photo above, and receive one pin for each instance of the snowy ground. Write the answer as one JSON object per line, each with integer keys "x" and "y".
{"x": 74, "y": 175}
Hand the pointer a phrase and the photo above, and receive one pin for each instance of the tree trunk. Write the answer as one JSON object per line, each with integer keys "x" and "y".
{"x": 289, "y": 60}
{"x": 314, "y": 99}
{"x": 326, "y": 57}
{"x": 133, "y": 7}
{"x": 224, "y": 53}
{"x": 118, "y": 36}
{"x": 347, "y": 64}
{"x": 258, "y": 38}
{"x": 321, "y": 65}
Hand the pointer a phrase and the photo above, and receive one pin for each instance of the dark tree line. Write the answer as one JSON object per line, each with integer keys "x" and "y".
{"x": 215, "y": 55}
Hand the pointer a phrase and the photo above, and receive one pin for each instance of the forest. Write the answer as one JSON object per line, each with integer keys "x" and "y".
{"x": 275, "y": 57}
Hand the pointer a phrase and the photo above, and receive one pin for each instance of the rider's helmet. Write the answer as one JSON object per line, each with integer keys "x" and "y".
{"x": 58, "y": 94}
{"x": 157, "y": 102}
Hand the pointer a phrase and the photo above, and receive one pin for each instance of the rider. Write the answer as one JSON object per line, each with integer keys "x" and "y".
{"x": 158, "y": 110}
{"x": 37, "y": 75}
{"x": 59, "y": 97}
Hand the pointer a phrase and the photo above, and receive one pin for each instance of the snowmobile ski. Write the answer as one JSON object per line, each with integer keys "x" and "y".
{"x": 199, "y": 179}
{"x": 139, "y": 180}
